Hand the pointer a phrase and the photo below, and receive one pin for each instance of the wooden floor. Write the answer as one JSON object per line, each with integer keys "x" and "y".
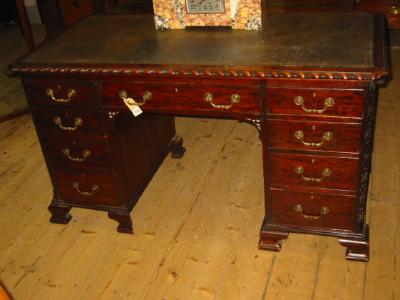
{"x": 196, "y": 226}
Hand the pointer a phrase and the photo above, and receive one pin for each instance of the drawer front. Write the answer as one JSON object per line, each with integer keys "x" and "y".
{"x": 86, "y": 187}
{"x": 77, "y": 152}
{"x": 310, "y": 102}
{"x": 313, "y": 210}
{"x": 186, "y": 99}
{"x": 60, "y": 93}
{"x": 317, "y": 136}
{"x": 313, "y": 171}
{"x": 68, "y": 122}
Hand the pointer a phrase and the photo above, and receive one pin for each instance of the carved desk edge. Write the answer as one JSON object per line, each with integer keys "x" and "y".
{"x": 206, "y": 71}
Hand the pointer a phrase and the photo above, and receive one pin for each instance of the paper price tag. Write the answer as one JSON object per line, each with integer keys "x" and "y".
{"x": 134, "y": 108}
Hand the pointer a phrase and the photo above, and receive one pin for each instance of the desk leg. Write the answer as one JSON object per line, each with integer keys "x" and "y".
{"x": 59, "y": 214}
{"x": 357, "y": 249}
{"x": 124, "y": 220}
{"x": 176, "y": 147}
{"x": 272, "y": 240}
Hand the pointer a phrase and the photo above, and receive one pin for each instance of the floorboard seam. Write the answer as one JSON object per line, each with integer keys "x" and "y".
{"x": 264, "y": 294}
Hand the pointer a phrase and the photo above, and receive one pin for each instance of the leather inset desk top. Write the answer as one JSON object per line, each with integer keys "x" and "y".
{"x": 312, "y": 40}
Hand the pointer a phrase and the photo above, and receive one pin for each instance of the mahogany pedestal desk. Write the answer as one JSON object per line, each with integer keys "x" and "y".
{"x": 307, "y": 81}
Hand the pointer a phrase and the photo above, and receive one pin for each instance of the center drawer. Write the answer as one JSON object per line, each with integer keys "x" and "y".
{"x": 191, "y": 99}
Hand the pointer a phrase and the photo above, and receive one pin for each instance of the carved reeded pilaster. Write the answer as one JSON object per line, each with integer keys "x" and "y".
{"x": 366, "y": 156}
{"x": 59, "y": 214}
{"x": 176, "y": 147}
{"x": 124, "y": 220}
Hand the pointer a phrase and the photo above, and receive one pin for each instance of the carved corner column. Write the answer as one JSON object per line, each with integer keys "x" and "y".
{"x": 358, "y": 248}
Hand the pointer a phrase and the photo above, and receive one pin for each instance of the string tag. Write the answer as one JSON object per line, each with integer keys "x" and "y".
{"x": 134, "y": 108}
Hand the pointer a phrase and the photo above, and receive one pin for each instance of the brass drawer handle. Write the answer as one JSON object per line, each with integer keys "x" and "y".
{"x": 327, "y": 136}
{"x": 85, "y": 154}
{"x": 130, "y": 101}
{"x": 71, "y": 93}
{"x": 78, "y": 122}
{"x": 326, "y": 172}
{"x": 395, "y": 10}
{"x": 299, "y": 209}
{"x": 328, "y": 102}
{"x": 92, "y": 191}
{"x": 235, "y": 98}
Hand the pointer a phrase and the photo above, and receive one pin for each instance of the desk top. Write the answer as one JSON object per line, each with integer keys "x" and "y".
{"x": 288, "y": 41}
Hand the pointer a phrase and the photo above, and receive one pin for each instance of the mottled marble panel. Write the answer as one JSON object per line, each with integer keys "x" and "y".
{"x": 238, "y": 14}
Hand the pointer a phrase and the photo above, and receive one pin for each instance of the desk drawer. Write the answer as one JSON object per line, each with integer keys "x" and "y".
{"x": 68, "y": 122}
{"x": 317, "y": 136}
{"x": 78, "y": 152}
{"x": 87, "y": 188}
{"x": 60, "y": 93}
{"x": 315, "y": 102}
{"x": 186, "y": 99}
{"x": 313, "y": 210}
{"x": 313, "y": 171}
